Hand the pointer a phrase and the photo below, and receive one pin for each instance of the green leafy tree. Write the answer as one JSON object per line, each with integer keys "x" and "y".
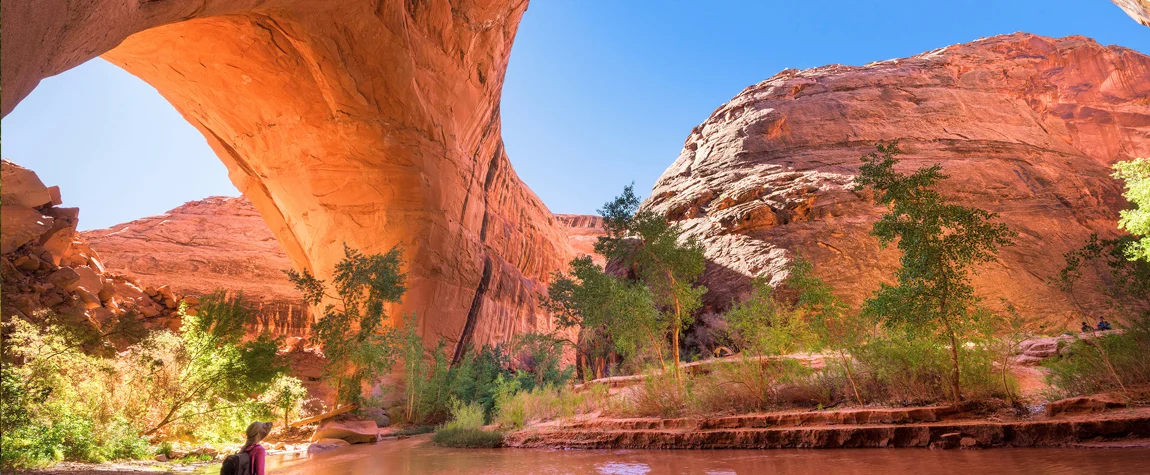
{"x": 1129, "y": 282}
{"x": 1136, "y": 174}
{"x": 651, "y": 249}
{"x": 765, "y": 325}
{"x": 941, "y": 244}
{"x": 540, "y": 358}
{"x": 208, "y": 367}
{"x": 198, "y": 384}
{"x": 475, "y": 377}
{"x": 414, "y": 367}
{"x": 612, "y": 314}
{"x": 285, "y": 394}
{"x": 357, "y": 344}
{"x": 833, "y": 326}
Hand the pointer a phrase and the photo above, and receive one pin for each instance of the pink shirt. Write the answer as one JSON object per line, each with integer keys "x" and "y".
{"x": 257, "y": 454}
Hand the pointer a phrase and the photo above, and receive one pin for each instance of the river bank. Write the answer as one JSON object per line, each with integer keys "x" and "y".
{"x": 1085, "y": 432}
{"x": 938, "y": 427}
{"x": 418, "y": 455}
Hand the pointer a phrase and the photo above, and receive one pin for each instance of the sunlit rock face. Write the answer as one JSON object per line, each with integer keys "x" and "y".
{"x": 217, "y": 243}
{"x": 582, "y": 233}
{"x": 1139, "y": 10}
{"x": 50, "y": 273}
{"x": 1025, "y": 126}
{"x": 366, "y": 123}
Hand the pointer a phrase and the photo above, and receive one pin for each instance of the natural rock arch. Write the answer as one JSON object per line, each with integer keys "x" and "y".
{"x": 370, "y": 123}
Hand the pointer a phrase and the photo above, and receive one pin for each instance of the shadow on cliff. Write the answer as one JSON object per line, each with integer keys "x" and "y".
{"x": 724, "y": 286}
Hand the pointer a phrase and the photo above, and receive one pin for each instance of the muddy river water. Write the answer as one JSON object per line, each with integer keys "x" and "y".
{"x": 418, "y": 456}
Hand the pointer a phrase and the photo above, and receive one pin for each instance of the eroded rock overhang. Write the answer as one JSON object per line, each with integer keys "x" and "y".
{"x": 366, "y": 123}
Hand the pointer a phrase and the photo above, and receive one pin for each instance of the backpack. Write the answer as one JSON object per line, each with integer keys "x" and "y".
{"x": 237, "y": 464}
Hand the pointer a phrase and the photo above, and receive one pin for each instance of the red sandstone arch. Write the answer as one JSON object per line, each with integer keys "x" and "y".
{"x": 373, "y": 123}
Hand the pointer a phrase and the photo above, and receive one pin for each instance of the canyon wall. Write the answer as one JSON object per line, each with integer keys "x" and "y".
{"x": 582, "y": 233}
{"x": 217, "y": 243}
{"x": 1025, "y": 126}
{"x": 366, "y": 123}
{"x": 50, "y": 273}
{"x": 222, "y": 243}
{"x": 1139, "y": 10}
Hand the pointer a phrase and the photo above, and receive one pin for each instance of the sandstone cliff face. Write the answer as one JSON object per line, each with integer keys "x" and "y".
{"x": 1139, "y": 10}
{"x": 218, "y": 243}
{"x": 49, "y": 271}
{"x": 366, "y": 123}
{"x": 1026, "y": 126}
{"x": 582, "y": 233}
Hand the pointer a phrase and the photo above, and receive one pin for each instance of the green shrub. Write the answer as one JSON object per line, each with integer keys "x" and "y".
{"x": 748, "y": 385}
{"x": 286, "y": 394}
{"x": 71, "y": 438}
{"x": 60, "y": 403}
{"x": 1112, "y": 361}
{"x": 539, "y": 357}
{"x": 468, "y": 438}
{"x": 909, "y": 369}
{"x": 432, "y": 383}
{"x": 761, "y": 325}
{"x": 358, "y": 345}
{"x": 165, "y": 449}
{"x": 516, "y": 407}
{"x": 466, "y": 416}
{"x": 738, "y": 386}
{"x": 415, "y": 430}
{"x": 662, "y": 394}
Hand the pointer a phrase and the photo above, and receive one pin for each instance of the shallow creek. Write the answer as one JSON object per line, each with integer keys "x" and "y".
{"x": 418, "y": 456}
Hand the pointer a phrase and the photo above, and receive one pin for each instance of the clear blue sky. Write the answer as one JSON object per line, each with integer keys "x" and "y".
{"x": 598, "y": 94}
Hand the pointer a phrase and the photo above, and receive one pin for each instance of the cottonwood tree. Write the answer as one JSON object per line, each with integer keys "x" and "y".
{"x": 613, "y": 315}
{"x": 1126, "y": 257}
{"x": 285, "y": 395}
{"x": 941, "y": 245}
{"x": 833, "y": 326}
{"x": 651, "y": 249}
{"x": 1128, "y": 285}
{"x": 765, "y": 324}
{"x": 357, "y": 344}
{"x": 1136, "y": 174}
{"x": 206, "y": 368}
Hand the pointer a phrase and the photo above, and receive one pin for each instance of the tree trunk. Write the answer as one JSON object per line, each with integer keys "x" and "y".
{"x": 955, "y": 381}
{"x": 658, "y": 352}
{"x": 675, "y": 350}
{"x": 850, "y": 376}
{"x": 678, "y": 326}
{"x": 1005, "y": 368}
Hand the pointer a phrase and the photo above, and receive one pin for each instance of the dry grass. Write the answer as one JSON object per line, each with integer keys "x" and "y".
{"x": 547, "y": 403}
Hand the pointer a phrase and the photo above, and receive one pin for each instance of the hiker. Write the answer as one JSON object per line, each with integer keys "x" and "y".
{"x": 1086, "y": 328}
{"x": 1103, "y": 324}
{"x": 250, "y": 459}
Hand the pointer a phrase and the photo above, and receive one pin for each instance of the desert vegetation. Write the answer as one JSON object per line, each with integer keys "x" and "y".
{"x": 202, "y": 383}
{"x": 1113, "y": 361}
{"x": 924, "y": 338}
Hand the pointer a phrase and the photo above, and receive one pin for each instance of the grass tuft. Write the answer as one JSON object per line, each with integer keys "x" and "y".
{"x": 468, "y": 438}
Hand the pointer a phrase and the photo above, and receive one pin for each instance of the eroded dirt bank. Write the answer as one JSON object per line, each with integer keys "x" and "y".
{"x": 934, "y": 427}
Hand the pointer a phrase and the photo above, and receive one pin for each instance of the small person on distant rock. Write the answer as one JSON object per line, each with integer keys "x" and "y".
{"x": 1103, "y": 324}
{"x": 1086, "y": 328}
{"x": 250, "y": 460}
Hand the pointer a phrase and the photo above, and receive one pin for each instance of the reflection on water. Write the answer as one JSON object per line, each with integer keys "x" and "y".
{"x": 618, "y": 468}
{"x": 419, "y": 456}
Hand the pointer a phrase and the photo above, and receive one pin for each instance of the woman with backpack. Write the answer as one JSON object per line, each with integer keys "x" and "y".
{"x": 250, "y": 459}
